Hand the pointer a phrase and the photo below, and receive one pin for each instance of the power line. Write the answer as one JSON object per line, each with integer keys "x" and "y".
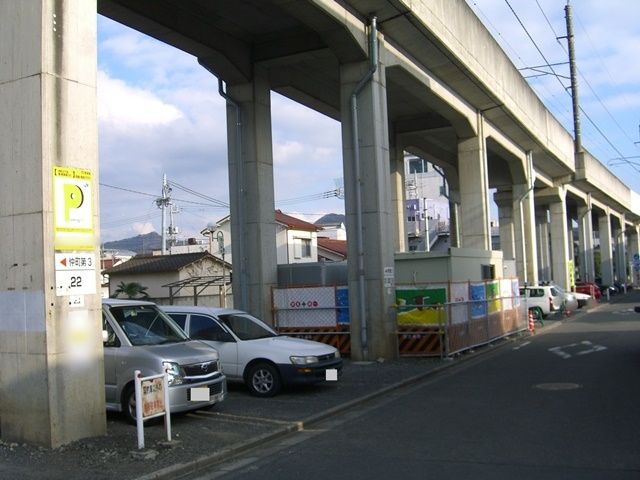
{"x": 221, "y": 204}
{"x": 548, "y": 64}
{"x": 506, "y": 42}
{"x": 338, "y": 192}
{"x": 584, "y": 78}
{"x": 200, "y": 195}
{"x": 598, "y": 129}
{"x": 128, "y": 190}
{"x": 551, "y": 96}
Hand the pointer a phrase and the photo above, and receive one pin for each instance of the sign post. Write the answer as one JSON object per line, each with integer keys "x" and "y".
{"x": 152, "y": 400}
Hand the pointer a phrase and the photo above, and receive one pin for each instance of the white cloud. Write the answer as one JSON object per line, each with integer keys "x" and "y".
{"x": 123, "y": 106}
{"x": 142, "y": 228}
{"x": 288, "y": 153}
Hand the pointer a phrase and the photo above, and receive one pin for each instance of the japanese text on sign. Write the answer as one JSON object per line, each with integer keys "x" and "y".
{"x": 152, "y": 397}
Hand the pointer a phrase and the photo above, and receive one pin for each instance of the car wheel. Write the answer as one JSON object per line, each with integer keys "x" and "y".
{"x": 129, "y": 404}
{"x": 263, "y": 380}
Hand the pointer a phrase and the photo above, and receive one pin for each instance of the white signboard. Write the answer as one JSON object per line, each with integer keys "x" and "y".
{"x": 152, "y": 397}
{"x": 75, "y": 274}
{"x": 306, "y": 306}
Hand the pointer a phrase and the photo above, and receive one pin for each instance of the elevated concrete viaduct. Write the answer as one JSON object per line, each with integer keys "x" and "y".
{"x": 422, "y": 76}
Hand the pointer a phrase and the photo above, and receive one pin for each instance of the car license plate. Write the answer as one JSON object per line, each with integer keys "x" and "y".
{"x": 200, "y": 394}
{"x": 331, "y": 374}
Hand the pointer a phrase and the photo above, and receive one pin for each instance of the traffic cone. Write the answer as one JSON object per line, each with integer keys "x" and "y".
{"x": 532, "y": 322}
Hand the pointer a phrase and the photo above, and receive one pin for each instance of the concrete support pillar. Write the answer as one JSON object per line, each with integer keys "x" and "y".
{"x": 474, "y": 187}
{"x": 525, "y": 234}
{"x": 253, "y": 227}
{"x": 504, "y": 201}
{"x": 634, "y": 254}
{"x": 396, "y": 154}
{"x": 606, "y": 252}
{"x": 52, "y": 373}
{"x": 585, "y": 239}
{"x": 368, "y": 204}
{"x": 571, "y": 250}
{"x": 544, "y": 251}
{"x": 621, "y": 251}
{"x": 615, "y": 236}
{"x": 454, "y": 219}
{"x": 559, "y": 240}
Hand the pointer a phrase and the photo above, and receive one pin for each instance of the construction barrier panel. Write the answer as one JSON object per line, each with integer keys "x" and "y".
{"x": 338, "y": 336}
{"x": 460, "y": 315}
{"x": 438, "y": 319}
{"x": 421, "y": 340}
{"x": 317, "y": 313}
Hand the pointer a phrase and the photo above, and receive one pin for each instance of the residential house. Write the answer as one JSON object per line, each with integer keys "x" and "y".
{"x": 296, "y": 240}
{"x": 110, "y": 258}
{"x": 186, "y": 278}
{"x": 332, "y": 226}
{"x": 331, "y": 250}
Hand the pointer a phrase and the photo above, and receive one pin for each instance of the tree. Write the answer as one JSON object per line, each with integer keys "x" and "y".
{"x": 131, "y": 290}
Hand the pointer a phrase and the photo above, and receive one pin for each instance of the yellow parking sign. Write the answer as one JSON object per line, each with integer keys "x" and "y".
{"x": 73, "y": 208}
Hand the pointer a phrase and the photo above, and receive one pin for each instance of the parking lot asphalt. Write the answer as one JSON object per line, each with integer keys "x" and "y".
{"x": 204, "y": 438}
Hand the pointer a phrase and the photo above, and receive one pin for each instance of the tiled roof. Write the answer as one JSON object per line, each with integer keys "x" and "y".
{"x": 158, "y": 263}
{"x": 336, "y": 246}
{"x": 286, "y": 220}
{"x": 295, "y": 223}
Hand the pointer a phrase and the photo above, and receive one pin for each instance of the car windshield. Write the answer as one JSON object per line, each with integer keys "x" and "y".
{"x": 246, "y": 327}
{"x": 146, "y": 325}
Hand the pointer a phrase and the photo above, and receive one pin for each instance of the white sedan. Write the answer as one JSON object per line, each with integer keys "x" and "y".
{"x": 582, "y": 298}
{"x": 252, "y": 352}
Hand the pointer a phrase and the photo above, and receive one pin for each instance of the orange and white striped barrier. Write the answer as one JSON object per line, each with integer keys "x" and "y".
{"x": 532, "y": 322}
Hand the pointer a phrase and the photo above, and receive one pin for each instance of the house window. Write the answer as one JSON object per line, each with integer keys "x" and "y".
{"x": 488, "y": 272}
{"x": 417, "y": 165}
{"x": 302, "y": 248}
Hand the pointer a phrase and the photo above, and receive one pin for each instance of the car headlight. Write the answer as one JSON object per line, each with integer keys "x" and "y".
{"x": 337, "y": 353}
{"x": 306, "y": 360}
{"x": 174, "y": 372}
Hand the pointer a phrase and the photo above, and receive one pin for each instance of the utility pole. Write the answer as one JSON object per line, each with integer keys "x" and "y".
{"x": 172, "y": 231}
{"x": 574, "y": 81}
{"x": 162, "y": 203}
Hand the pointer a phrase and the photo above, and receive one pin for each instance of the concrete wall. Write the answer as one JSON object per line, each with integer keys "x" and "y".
{"x": 457, "y": 265}
{"x": 153, "y": 282}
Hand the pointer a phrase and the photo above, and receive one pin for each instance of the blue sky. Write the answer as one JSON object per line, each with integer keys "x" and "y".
{"x": 160, "y": 112}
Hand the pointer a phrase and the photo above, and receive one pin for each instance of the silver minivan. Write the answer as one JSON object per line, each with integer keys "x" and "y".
{"x": 137, "y": 335}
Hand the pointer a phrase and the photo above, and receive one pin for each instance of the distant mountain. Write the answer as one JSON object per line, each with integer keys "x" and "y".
{"x": 141, "y": 244}
{"x": 330, "y": 219}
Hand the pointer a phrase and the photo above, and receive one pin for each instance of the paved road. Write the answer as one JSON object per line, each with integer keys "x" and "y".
{"x": 561, "y": 405}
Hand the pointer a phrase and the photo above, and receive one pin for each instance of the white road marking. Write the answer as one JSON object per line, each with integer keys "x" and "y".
{"x": 523, "y": 344}
{"x": 627, "y": 311}
{"x": 562, "y": 352}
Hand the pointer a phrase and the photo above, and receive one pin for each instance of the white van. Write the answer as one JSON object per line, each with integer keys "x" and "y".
{"x": 544, "y": 299}
{"x": 541, "y": 299}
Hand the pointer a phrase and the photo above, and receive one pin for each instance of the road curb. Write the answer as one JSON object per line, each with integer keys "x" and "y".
{"x": 182, "y": 469}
